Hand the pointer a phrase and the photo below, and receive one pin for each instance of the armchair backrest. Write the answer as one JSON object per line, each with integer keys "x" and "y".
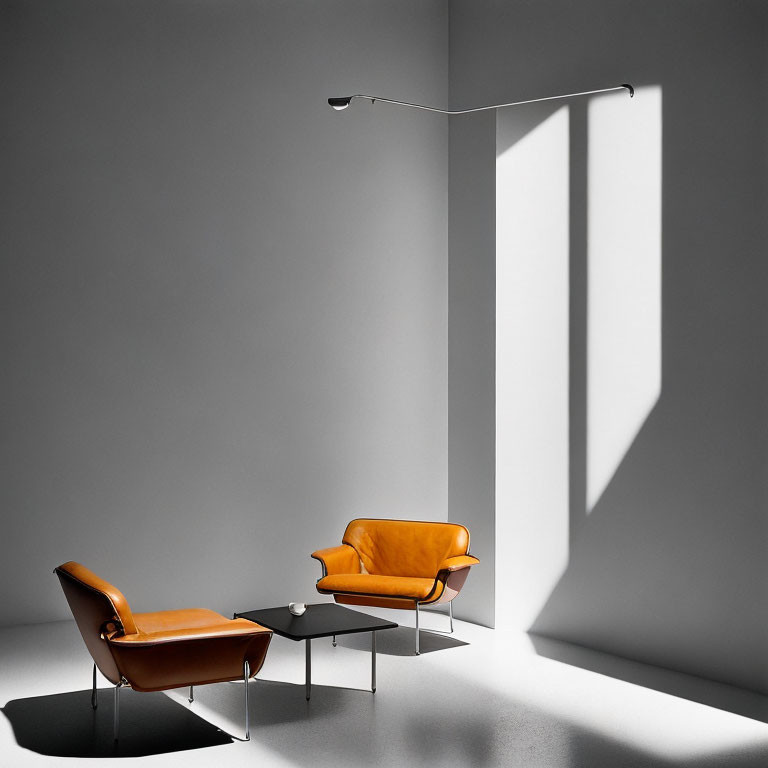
{"x": 98, "y": 607}
{"x": 405, "y": 547}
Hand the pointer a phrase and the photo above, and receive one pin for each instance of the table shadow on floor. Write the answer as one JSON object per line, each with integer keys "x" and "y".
{"x": 65, "y": 725}
{"x": 273, "y": 702}
{"x": 400, "y": 641}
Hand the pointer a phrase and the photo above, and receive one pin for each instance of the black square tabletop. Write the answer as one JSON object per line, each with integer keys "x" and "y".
{"x": 319, "y": 620}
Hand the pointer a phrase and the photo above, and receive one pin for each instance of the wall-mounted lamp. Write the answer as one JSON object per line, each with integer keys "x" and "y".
{"x": 342, "y": 102}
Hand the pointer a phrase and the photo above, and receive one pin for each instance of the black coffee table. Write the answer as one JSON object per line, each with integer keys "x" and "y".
{"x": 320, "y": 620}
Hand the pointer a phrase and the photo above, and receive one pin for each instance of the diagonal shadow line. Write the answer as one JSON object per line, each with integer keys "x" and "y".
{"x": 737, "y": 701}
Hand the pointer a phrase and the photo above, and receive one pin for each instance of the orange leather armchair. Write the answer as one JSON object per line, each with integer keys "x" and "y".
{"x": 163, "y": 650}
{"x": 397, "y": 564}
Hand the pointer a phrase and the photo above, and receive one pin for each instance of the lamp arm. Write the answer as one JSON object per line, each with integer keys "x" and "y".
{"x": 341, "y": 102}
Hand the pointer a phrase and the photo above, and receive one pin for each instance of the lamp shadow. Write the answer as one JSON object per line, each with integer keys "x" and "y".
{"x": 401, "y": 641}
{"x": 65, "y": 725}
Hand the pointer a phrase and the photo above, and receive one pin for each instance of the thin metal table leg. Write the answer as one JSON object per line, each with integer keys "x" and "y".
{"x": 308, "y": 678}
{"x": 246, "y": 676}
{"x": 373, "y": 661}
{"x": 191, "y": 693}
{"x": 417, "y": 629}
{"x": 334, "y": 641}
{"x": 94, "y": 694}
{"x": 116, "y": 722}
{"x": 450, "y": 613}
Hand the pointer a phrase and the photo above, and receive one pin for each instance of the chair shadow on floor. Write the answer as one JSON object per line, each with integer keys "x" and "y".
{"x": 65, "y": 725}
{"x": 400, "y": 641}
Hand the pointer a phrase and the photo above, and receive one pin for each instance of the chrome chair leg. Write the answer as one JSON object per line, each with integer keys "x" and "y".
{"x": 417, "y": 628}
{"x": 373, "y": 662}
{"x": 334, "y": 641}
{"x": 116, "y": 722}
{"x": 94, "y": 694}
{"x": 246, "y": 676}
{"x": 439, "y": 631}
{"x": 191, "y": 693}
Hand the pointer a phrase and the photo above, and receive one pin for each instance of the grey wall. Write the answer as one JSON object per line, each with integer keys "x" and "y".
{"x": 670, "y": 566}
{"x": 224, "y": 305}
{"x": 225, "y": 324}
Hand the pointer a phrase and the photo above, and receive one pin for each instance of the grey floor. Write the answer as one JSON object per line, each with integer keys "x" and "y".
{"x": 478, "y": 698}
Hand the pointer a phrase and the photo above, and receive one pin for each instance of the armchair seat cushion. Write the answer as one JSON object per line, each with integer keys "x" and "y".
{"x": 411, "y": 587}
{"x": 162, "y": 621}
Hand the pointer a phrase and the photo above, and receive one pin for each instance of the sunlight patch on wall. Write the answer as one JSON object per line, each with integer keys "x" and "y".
{"x": 624, "y": 280}
{"x": 532, "y": 253}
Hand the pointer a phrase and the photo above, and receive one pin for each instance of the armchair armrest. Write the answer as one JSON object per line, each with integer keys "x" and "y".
{"x": 342, "y": 559}
{"x": 456, "y": 563}
{"x": 451, "y": 575}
